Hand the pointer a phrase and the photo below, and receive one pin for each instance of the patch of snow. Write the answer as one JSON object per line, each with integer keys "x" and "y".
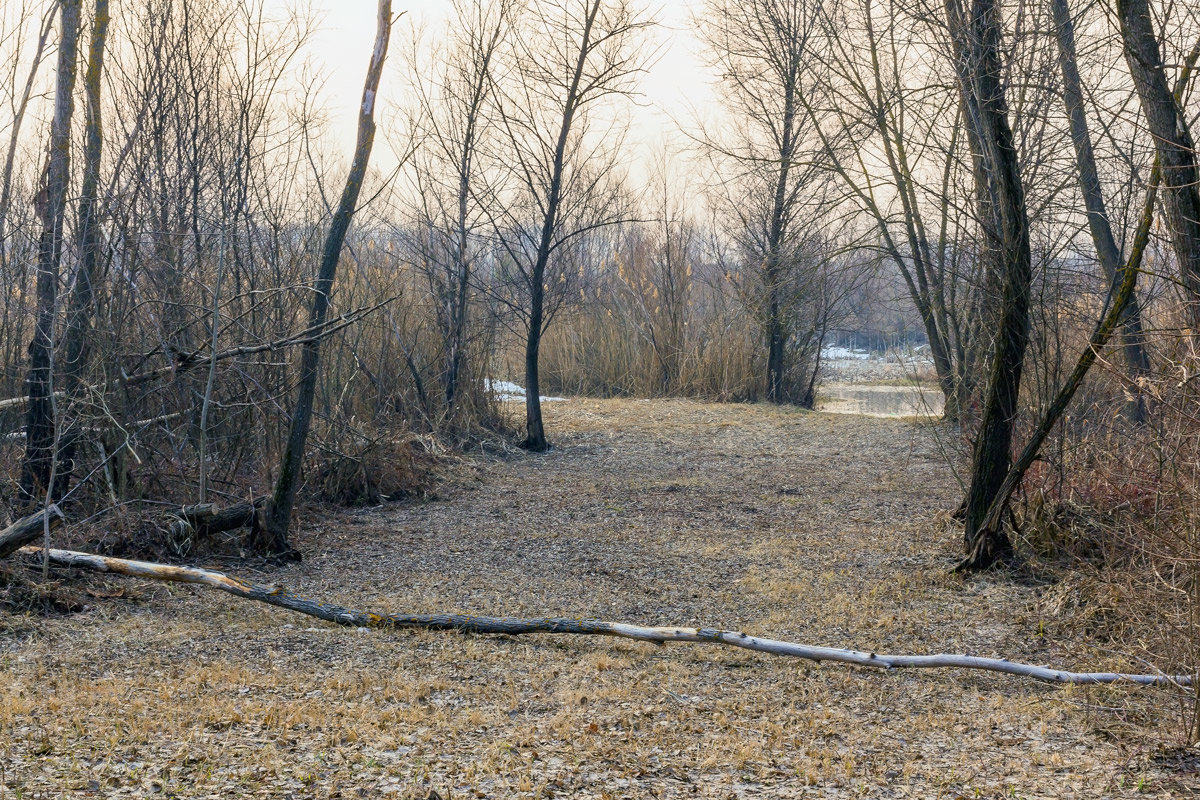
{"x": 507, "y": 391}
{"x": 839, "y": 353}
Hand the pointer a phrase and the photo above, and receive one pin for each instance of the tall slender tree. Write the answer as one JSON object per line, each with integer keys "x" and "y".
{"x": 273, "y": 537}
{"x": 1174, "y": 145}
{"x": 81, "y": 305}
{"x": 1108, "y": 252}
{"x": 568, "y": 56}
{"x": 975, "y": 32}
{"x": 40, "y": 433}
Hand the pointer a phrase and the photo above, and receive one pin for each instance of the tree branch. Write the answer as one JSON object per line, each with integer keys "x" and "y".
{"x": 469, "y": 623}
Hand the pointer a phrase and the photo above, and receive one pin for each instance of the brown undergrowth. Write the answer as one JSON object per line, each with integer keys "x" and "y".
{"x": 1112, "y": 514}
{"x": 812, "y": 527}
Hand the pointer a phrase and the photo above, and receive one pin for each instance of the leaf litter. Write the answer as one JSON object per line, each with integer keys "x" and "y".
{"x": 813, "y": 527}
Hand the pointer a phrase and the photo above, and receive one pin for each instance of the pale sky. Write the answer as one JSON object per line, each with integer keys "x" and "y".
{"x": 677, "y": 83}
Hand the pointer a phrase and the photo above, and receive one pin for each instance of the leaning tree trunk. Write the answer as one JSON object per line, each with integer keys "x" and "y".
{"x": 976, "y": 39}
{"x": 273, "y": 538}
{"x": 51, "y": 206}
{"x": 1120, "y": 296}
{"x": 1173, "y": 143}
{"x": 1107, "y": 252}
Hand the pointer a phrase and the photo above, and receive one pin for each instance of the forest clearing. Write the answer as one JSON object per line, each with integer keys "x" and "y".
{"x": 816, "y": 527}
{"x": 599, "y": 398}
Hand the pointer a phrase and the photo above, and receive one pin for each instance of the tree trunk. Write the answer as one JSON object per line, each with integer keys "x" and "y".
{"x": 52, "y": 203}
{"x": 273, "y": 538}
{"x": 777, "y": 235}
{"x": 1107, "y": 252}
{"x": 81, "y": 306}
{"x": 1168, "y": 126}
{"x": 976, "y": 38}
{"x": 775, "y": 352}
{"x": 535, "y": 431}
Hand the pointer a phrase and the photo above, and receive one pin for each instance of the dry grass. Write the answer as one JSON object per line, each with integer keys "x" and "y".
{"x": 806, "y": 526}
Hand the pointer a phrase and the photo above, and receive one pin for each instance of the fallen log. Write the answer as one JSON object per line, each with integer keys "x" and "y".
{"x": 204, "y": 519}
{"x": 282, "y": 597}
{"x": 26, "y": 529}
{"x": 193, "y": 523}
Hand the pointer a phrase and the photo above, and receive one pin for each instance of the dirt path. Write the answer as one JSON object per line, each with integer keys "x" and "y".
{"x": 811, "y": 527}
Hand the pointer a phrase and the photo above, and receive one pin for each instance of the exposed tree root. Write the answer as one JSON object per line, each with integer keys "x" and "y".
{"x": 280, "y": 596}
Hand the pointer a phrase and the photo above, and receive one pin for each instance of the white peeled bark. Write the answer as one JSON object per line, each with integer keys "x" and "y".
{"x": 280, "y": 596}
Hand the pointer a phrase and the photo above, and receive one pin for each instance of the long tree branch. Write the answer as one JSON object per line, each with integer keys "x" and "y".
{"x": 469, "y": 623}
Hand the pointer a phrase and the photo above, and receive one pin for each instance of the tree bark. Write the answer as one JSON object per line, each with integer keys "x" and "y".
{"x": 511, "y": 626}
{"x": 976, "y": 38}
{"x": 273, "y": 539}
{"x": 52, "y": 203}
{"x": 1133, "y": 344}
{"x": 1173, "y": 143}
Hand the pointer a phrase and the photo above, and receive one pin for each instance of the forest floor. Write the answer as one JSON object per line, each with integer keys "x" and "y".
{"x": 818, "y": 528}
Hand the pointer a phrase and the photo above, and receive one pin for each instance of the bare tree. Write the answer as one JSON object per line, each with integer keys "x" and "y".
{"x": 558, "y": 182}
{"x": 274, "y": 536}
{"x": 976, "y": 36}
{"x": 762, "y": 50}
{"x": 896, "y": 152}
{"x": 41, "y": 434}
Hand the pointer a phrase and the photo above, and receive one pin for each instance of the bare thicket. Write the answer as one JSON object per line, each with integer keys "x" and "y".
{"x": 449, "y": 240}
{"x": 770, "y": 184}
